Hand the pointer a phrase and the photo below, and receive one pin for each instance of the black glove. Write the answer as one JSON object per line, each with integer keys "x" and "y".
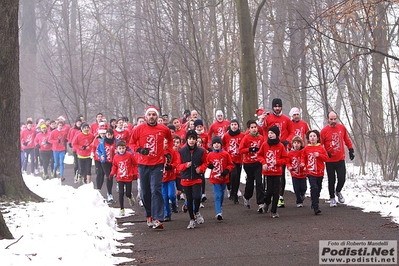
{"x": 225, "y": 172}
{"x": 211, "y": 166}
{"x": 168, "y": 158}
{"x": 143, "y": 151}
{"x": 48, "y": 143}
{"x": 351, "y": 154}
{"x": 25, "y": 143}
{"x": 329, "y": 154}
{"x": 253, "y": 149}
{"x": 37, "y": 146}
{"x": 84, "y": 147}
{"x": 210, "y": 149}
{"x": 70, "y": 145}
{"x": 168, "y": 167}
{"x": 285, "y": 142}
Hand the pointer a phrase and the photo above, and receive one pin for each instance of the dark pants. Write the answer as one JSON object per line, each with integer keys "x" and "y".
{"x": 193, "y": 195}
{"x": 99, "y": 174}
{"x": 85, "y": 167}
{"x": 31, "y": 153}
{"x": 282, "y": 187}
{"x": 107, "y": 170}
{"x": 273, "y": 186}
{"x": 151, "y": 190}
{"x": 332, "y": 168}
{"x": 254, "y": 173}
{"x": 122, "y": 191}
{"x": 46, "y": 157}
{"x": 235, "y": 180}
{"x": 315, "y": 189}
{"x": 300, "y": 188}
{"x": 75, "y": 163}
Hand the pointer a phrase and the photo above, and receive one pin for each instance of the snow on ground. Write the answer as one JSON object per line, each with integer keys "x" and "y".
{"x": 75, "y": 226}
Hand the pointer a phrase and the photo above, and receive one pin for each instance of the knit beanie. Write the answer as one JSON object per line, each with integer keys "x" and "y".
{"x": 216, "y": 139}
{"x": 277, "y": 102}
{"x": 198, "y": 122}
{"x": 275, "y": 130}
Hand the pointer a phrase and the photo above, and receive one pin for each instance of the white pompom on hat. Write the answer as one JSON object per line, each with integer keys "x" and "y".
{"x": 295, "y": 111}
{"x": 151, "y": 109}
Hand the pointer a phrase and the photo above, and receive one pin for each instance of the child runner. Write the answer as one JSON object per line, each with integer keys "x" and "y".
{"x": 124, "y": 168}
{"x": 220, "y": 163}
{"x": 106, "y": 152}
{"x": 231, "y": 142}
{"x": 169, "y": 184}
{"x": 272, "y": 155}
{"x": 192, "y": 160}
{"x": 298, "y": 173}
{"x": 249, "y": 148}
{"x": 313, "y": 157}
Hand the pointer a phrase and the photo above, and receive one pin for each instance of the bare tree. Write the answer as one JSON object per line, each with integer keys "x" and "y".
{"x": 12, "y": 186}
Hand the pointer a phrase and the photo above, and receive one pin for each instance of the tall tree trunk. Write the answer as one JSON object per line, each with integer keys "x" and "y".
{"x": 12, "y": 185}
{"x": 248, "y": 82}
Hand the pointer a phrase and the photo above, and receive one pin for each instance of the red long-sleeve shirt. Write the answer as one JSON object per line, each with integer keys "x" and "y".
{"x": 334, "y": 140}
{"x": 282, "y": 122}
{"x": 314, "y": 165}
{"x": 124, "y": 166}
{"x": 231, "y": 144}
{"x": 42, "y": 140}
{"x": 152, "y": 138}
{"x": 221, "y": 160}
{"x": 28, "y": 137}
{"x": 83, "y": 140}
{"x": 274, "y": 156}
{"x": 250, "y": 142}
{"x": 57, "y": 139}
{"x": 217, "y": 129}
{"x": 294, "y": 161}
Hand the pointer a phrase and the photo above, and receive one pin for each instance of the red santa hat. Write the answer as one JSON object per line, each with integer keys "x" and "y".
{"x": 61, "y": 118}
{"x": 259, "y": 111}
{"x": 151, "y": 109}
{"x": 102, "y": 130}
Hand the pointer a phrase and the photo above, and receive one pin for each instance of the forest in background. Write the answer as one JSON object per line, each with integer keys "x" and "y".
{"x": 118, "y": 56}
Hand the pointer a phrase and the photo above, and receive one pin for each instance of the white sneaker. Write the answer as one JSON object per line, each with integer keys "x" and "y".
{"x": 202, "y": 205}
{"x": 341, "y": 198}
{"x": 228, "y": 193}
{"x": 333, "y": 203}
{"x": 299, "y": 205}
{"x": 182, "y": 196}
{"x": 110, "y": 198}
{"x": 261, "y": 208}
{"x": 141, "y": 203}
{"x": 191, "y": 225}
{"x": 199, "y": 219}
{"x": 239, "y": 194}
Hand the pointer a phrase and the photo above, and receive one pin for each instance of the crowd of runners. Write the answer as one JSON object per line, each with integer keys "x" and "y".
{"x": 169, "y": 158}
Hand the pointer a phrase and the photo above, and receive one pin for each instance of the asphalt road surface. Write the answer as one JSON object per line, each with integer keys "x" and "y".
{"x": 245, "y": 237}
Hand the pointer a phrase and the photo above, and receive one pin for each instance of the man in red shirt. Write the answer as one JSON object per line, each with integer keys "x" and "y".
{"x": 299, "y": 126}
{"x": 334, "y": 136}
{"x": 148, "y": 138}
{"x": 218, "y": 128}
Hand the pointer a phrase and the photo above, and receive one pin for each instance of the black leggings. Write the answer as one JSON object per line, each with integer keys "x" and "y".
{"x": 99, "y": 174}
{"x": 235, "y": 179}
{"x": 128, "y": 193}
{"x": 107, "y": 170}
{"x": 45, "y": 157}
{"x": 193, "y": 194}
{"x": 332, "y": 168}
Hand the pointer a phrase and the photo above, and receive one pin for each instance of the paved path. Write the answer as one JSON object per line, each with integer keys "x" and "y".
{"x": 245, "y": 237}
